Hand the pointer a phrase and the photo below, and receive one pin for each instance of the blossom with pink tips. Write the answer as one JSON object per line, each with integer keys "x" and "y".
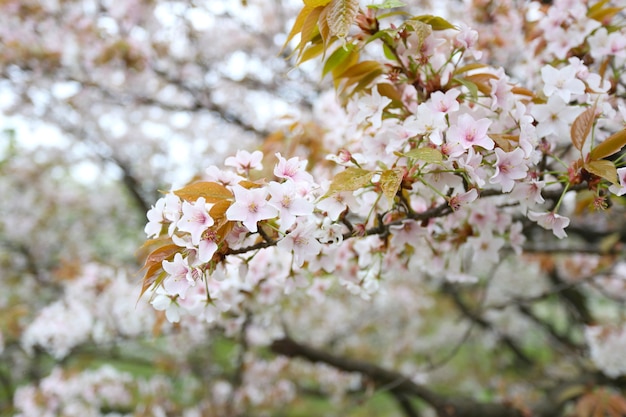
{"x": 292, "y": 169}
{"x": 550, "y": 221}
{"x": 470, "y": 132}
{"x": 250, "y": 207}
{"x": 196, "y": 219}
{"x": 285, "y": 199}
{"x": 244, "y": 161}
{"x": 562, "y": 82}
{"x": 302, "y": 242}
{"x": 180, "y": 276}
{"x": 510, "y": 166}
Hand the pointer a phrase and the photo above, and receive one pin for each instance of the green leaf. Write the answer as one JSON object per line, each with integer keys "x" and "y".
{"x": 604, "y": 169}
{"x": 387, "y": 4}
{"x": 435, "y": 22}
{"x": 316, "y": 3}
{"x": 211, "y": 191}
{"x": 473, "y": 88}
{"x": 351, "y": 179}
{"x": 611, "y": 145}
{"x": 390, "y": 181}
{"x": 340, "y": 55}
{"x": 582, "y": 127}
{"x": 430, "y": 155}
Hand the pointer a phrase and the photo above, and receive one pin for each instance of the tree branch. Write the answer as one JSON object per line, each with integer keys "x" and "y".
{"x": 396, "y": 382}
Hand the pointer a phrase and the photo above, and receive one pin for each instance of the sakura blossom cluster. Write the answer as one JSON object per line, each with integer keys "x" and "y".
{"x": 484, "y": 157}
{"x": 100, "y": 305}
{"x": 87, "y": 393}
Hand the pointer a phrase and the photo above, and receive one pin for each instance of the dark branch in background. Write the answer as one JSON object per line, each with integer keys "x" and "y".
{"x": 550, "y": 330}
{"x": 131, "y": 184}
{"x": 405, "y": 404}
{"x": 395, "y": 382}
{"x": 574, "y": 299}
{"x": 483, "y": 323}
{"x": 208, "y": 104}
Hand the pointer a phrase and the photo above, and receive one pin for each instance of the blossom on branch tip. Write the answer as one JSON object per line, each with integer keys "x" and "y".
{"x": 180, "y": 276}
{"x": 292, "y": 169}
{"x": 196, "y": 219}
{"x": 155, "y": 219}
{"x": 550, "y": 221}
{"x": 250, "y": 207}
{"x": 245, "y": 161}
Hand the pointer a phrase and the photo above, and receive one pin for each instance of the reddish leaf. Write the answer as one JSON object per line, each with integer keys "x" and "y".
{"x": 582, "y": 127}
{"x": 611, "y": 145}
{"x": 211, "y": 191}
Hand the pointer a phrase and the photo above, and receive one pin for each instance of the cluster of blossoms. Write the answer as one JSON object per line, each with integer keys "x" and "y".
{"x": 100, "y": 304}
{"x": 88, "y": 394}
{"x": 474, "y": 132}
{"x": 437, "y": 167}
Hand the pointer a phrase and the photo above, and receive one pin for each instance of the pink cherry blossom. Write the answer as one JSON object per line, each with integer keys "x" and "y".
{"x": 155, "y": 219}
{"x": 562, "y": 82}
{"x": 470, "y": 132}
{"x": 196, "y": 219}
{"x": 302, "y": 242}
{"x": 335, "y": 204}
{"x": 293, "y": 169}
{"x": 285, "y": 199}
{"x": 510, "y": 166}
{"x": 180, "y": 276}
{"x": 444, "y": 102}
{"x": 550, "y": 221}
{"x": 369, "y": 107}
{"x": 461, "y": 199}
{"x": 555, "y": 117}
{"x": 245, "y": 161}
{"x": 250, "y": 207}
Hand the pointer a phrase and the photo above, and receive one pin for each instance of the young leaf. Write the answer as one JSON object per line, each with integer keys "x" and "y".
{"x": 430, "y": 155}
{"x": 297, "y": 26}
{"x": 341, "y": 15}
{"x": 582, "y": 127}
{"x": 473, "y": 88}
{"x": 611, "y": 145}
{"x": 309, "y": 27}
{"x": 469, "y": 67}
{"x": 351, "y": 179}
{"x": 153, "y": 264}
{"x": 604, "y": 169}
{"x": 316, "y": 3}
{"x": 390, "y": 181}
{"x": 387, "y": 4}
{"x": 211, "y": 191}
{"x": 341, "y": 55}
{"x": 435, "y": 22}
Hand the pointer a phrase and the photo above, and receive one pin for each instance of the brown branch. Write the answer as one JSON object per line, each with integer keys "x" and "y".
{"x": 482, "y": 322}
{"x": 395, "y": 382}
